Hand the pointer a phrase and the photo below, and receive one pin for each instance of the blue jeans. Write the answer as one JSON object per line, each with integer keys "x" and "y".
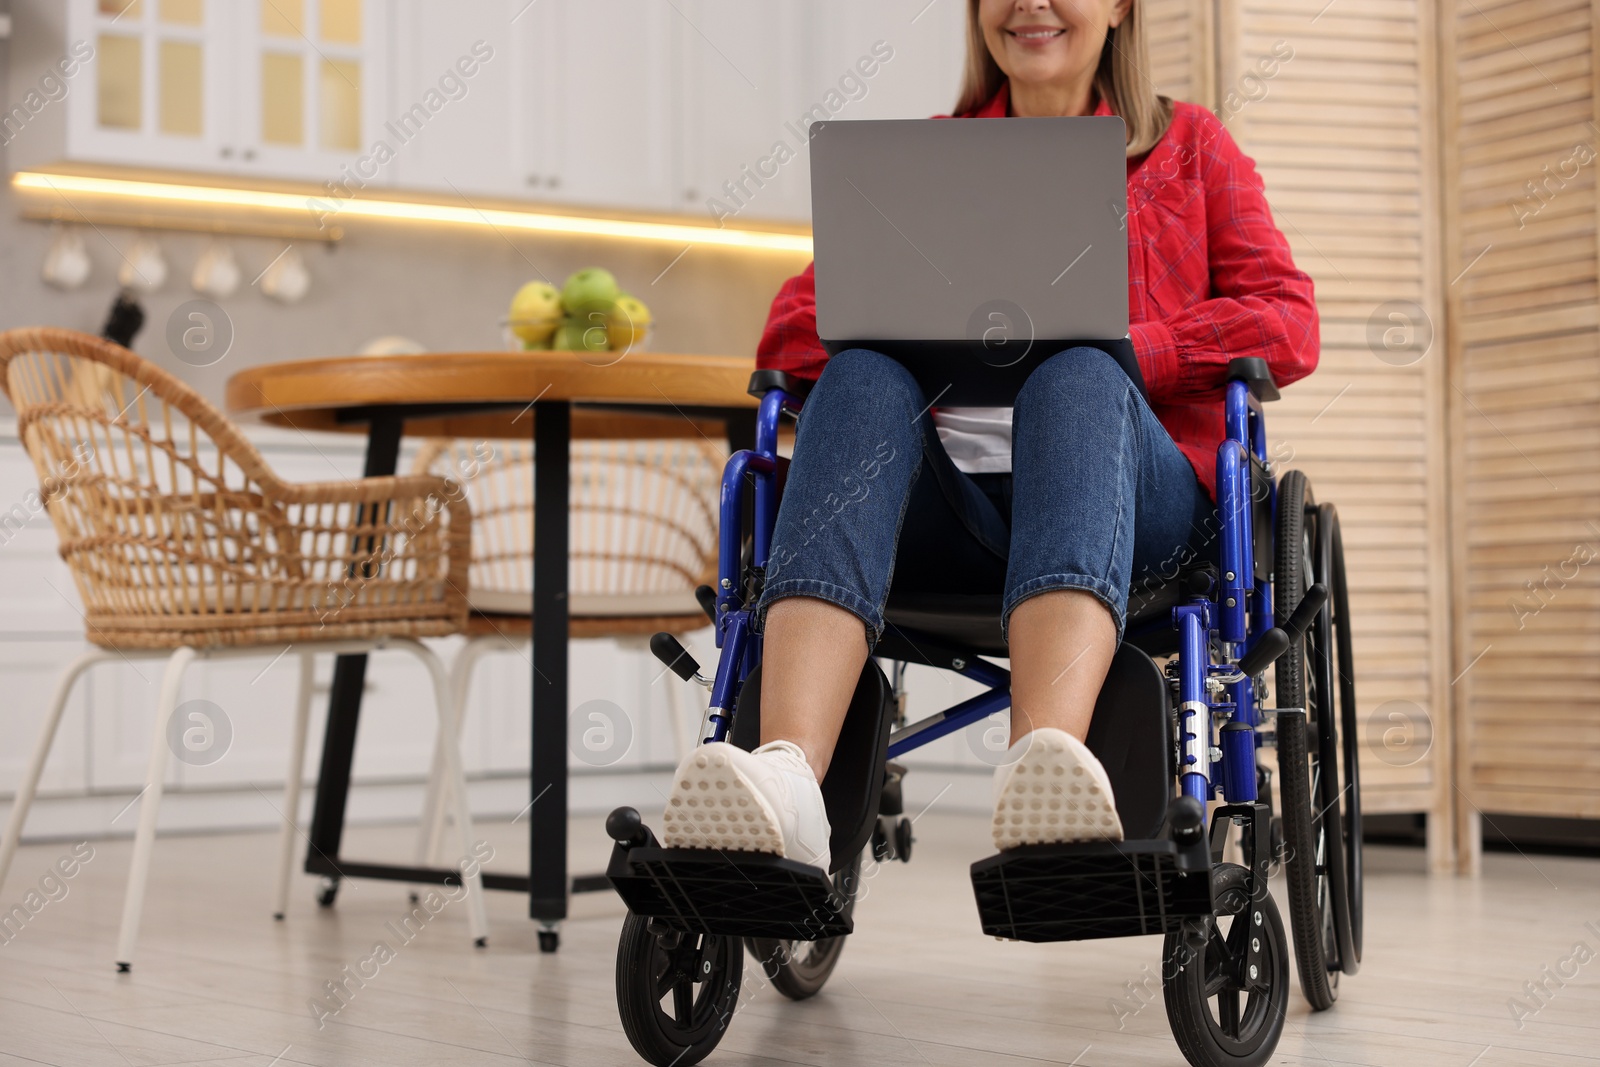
{"x": 1098, "y": 493}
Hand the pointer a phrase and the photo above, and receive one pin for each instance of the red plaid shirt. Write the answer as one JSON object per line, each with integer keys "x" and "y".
{"x": 1209, "y": 278}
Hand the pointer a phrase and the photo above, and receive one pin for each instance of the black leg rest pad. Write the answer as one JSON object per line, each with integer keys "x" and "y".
{"x": 740, "y": 894}
{"x": 1092, "y": 889}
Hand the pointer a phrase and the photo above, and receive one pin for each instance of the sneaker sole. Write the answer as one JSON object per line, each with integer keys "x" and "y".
{"x": 1054, "y": 797}
{"x": 714, "y": 806}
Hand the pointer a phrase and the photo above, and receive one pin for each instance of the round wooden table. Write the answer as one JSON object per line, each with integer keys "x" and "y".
{"x": 552, "y": 397}
{"x": 487, "y": 394}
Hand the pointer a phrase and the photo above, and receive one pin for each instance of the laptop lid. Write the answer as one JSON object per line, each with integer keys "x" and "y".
{"x": 971, "y": 249}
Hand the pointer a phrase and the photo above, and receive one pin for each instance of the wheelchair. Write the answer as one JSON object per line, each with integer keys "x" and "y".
{"x": 1173, "y": 738}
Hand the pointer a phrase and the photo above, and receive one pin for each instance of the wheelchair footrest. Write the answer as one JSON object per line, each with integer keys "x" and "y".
{"x": 1092, "y": 889}
{"x": 740, "y": 894}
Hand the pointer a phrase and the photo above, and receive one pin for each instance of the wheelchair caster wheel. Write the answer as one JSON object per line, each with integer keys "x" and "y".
{"x": 549, "y": 937}
{"x": 891, "y": 839}
{"x": 675, "y": 991}
{"x": 1225, "y": 1006}
{"x": 903, "y": 840}
{"x": 327, "y": 892}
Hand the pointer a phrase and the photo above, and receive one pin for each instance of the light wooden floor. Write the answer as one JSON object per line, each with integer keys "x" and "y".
{"x": 217, "y": 981}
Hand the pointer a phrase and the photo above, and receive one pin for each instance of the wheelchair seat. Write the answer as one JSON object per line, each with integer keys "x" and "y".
{"x": 972, "y": 622}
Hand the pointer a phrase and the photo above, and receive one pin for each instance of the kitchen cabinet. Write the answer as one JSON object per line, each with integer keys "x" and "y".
{"x": 309, "y": 78}
{"x": 273, "y": 88}
{"x": 925, "y": 46}
{"x": 157, "y": 82}
{"x": 697, "y": 107}
{"x": 744, "y": 72}
{"x": 593, "y": 104}
{"x": 463, "y": 59}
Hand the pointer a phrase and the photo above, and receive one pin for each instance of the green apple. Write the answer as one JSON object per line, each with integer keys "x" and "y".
{"x": 535, "y": 313}
{"x": 568, "y": 336}
{"x": 628, "y": 323}
{"x": 577, "y": 335}
{"x": 590, "y": 289}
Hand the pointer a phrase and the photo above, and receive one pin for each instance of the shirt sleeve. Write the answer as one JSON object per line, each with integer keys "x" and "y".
{"x": 789, "y": 342}
{"x": 1261, "y": 303}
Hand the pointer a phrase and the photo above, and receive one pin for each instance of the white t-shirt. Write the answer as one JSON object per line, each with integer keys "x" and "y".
{"x": 977, "y": 439}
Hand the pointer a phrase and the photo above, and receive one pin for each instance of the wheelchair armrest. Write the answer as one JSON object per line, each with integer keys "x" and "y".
{"x": 1254, "y": 372}
{"x": 763, "y": 380}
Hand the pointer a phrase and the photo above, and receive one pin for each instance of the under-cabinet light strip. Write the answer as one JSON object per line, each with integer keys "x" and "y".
{"x": 325, "y": 209}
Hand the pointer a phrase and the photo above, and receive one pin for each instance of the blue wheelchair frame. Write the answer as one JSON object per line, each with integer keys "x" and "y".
{"x": 1211, "y": 759}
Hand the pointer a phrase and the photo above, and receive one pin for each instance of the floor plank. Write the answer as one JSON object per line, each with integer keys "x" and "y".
{"x": 218, "y": 982}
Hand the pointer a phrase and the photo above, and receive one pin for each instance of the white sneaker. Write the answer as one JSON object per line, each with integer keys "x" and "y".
{"x": 1052, "y": 790}
{"x": 763, "y": 801}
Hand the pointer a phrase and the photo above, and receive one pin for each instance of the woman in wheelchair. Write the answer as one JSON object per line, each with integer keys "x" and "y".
{"x": 1058, "y": 503}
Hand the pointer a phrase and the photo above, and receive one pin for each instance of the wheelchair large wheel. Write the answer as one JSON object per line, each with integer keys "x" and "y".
{"x": 1220, "y": 1015}
{"x": 1340, "y": 656}
{"x": 799, "y": 969}
{"x": 1321, "y": 804}
{"x": 675, "y": 992}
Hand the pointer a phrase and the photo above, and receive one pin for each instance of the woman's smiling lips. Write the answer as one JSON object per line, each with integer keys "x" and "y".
{"x": 1035, "y": 36}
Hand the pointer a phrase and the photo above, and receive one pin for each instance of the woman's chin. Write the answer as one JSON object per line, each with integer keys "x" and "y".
{"x": 1041, "y": 70}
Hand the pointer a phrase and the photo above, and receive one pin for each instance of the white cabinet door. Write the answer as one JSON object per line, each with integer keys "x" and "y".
{"x": 157, "y": 82}
{"x": 310, "y": 86}
{"x": 893, "y": 59}
{"x": 282, "y": 88}
{"x": 451, "y": 106}
{"x": 592, "y": 86}
{"x": 743, "y": 69}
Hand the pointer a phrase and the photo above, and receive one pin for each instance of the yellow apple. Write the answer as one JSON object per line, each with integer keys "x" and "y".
{"x": 535, "y": 313}
{"x": 628, "y": 323}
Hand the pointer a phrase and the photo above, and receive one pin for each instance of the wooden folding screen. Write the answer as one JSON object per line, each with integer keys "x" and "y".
{"x": 1520, "y": 115}
{"x": 1336, "y": 104}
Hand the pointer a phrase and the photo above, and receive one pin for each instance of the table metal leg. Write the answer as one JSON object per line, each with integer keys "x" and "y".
{"x": 344, "y": 698}
{"x": 741, "y": 424}
{"x": 547, "y": 817}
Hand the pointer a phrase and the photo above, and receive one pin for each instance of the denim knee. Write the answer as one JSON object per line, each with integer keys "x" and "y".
{"x": 1077, "y": 380}
{"x": 863, "y": 373}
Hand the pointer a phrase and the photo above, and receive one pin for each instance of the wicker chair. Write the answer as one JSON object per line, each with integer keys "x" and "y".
{"x": 643, "y": 534}
{"x": 184, "y": 545}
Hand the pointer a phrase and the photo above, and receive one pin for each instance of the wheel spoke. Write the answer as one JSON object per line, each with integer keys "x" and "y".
{"x": 682, "y": 1003}
{"x": 1228, "y": 1012}
{"x": 667, "y": 980}
{"x": 664, "y": 973}
{"x": 1216, "y": 981}
{"x": 1218, "y": 961}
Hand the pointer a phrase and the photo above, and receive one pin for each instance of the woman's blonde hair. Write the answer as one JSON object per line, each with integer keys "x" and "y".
{"x": 1122, "y": 79}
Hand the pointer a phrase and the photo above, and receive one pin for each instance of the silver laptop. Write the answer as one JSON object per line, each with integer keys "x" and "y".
{"x": 972, "y": 249}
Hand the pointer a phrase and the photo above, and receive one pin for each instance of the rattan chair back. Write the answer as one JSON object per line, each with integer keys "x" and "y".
{"x": 643, "y": 515}
{"x": 178, "y": 533}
